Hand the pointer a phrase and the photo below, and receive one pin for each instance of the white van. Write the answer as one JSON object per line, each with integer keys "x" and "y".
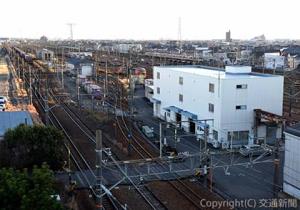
{"x": 148, "y": 131}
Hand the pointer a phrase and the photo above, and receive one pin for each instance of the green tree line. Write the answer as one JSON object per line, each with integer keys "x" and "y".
{"x": 25, "y": 146}
{"x": 28, "y": 191}
{"x": 28, "y": 156}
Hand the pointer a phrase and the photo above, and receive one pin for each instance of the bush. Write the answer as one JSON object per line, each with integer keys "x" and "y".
{"x": 21, "y": 190}
{"x": 26, "y": 146}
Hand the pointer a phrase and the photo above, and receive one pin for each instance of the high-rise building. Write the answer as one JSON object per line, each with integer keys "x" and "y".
{"x": 228, "y": 36}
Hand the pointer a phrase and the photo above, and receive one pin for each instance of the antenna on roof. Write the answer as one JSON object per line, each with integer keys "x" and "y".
{"x": 179, "y": 41}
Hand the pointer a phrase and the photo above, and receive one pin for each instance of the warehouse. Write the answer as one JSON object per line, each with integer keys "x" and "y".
{"x": 193, "y": 93}
{"x": 291, "y": 170}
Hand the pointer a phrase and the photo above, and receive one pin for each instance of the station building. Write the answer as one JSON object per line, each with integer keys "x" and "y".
{"x": 187, "y": 94}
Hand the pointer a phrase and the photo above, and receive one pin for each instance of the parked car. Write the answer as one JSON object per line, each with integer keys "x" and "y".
{"x": 2, "y": 107}
{"x": 254, "y": 150}
{"x": 176, "y": 158}
{"x": 3, "y": 99}
{"x": 148, "y": 131}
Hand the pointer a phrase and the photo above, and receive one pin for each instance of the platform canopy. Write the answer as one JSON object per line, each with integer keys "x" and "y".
{"x": 189, "y": 115}
{"x": 154, "y": 100}
{"x": 173, "y": 109}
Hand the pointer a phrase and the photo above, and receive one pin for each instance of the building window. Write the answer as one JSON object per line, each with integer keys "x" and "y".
{"x": 241, "y": 107}
{"x": 181, "y": 80}
{"x": 215, "y": 134}
{"x": 158, "y": 90}
{"x": 242, "y": 86}
{"x": 211, "y": 88}
{"x": 211, "y": 107}
{"x": 157, "y": 75}
{"x": 168, "y": 114}
{"x": 180, "y": 97}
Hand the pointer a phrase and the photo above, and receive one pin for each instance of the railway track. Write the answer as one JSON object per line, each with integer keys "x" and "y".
{"x": 144, "y": 192}
{"x": 179, "y": 185}
{"x": 81, "y": 162}
{"x": 135, "y": 141}
{"x": 78, "y": 159}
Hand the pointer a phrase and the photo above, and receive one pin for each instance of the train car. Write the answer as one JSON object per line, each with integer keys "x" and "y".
{"x": 81, "y": 79}
{"x": 139, "y": 75}
{"x": 86, "y": 84}
{"x": 92, "y": 89}
{"x": 28, "y": 57}
{"x": 97, "y": 94}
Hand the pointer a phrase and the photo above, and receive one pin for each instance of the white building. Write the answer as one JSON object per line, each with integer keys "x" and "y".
{"x": 45, "y": 55}
{"x": 245, "y": 54}
{"x": 274, "y": 61}
{"x": 203, "y": 52}
{"x": 86, "y": 69}
{"x": 187, "y": 93}
{"x": 125, "y": 48}
{"x": 291, "y": 170}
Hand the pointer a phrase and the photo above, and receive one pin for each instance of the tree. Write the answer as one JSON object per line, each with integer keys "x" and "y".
{"x": 25, "y": 146}
{"x": 24, "y": 191}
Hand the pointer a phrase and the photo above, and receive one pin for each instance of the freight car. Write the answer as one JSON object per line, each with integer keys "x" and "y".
{"x": 92, "y": 89}
{"x": 26, "y": 56}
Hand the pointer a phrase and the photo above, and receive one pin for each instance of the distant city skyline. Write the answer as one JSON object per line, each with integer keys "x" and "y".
{"x": 150, "y": 19}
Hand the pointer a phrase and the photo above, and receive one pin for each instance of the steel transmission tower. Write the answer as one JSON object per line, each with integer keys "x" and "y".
{"x": 71, "y": 29}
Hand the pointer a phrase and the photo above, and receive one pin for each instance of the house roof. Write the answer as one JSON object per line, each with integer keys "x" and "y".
{"x": 13, "y": 119}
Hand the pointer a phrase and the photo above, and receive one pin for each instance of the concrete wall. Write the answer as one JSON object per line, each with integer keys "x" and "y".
{"x": 291, "y": 170}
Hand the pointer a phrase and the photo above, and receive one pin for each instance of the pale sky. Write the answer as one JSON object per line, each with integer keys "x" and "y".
{"x": 150, "y": 19}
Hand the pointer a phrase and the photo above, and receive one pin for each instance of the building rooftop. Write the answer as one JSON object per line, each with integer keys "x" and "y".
{"x": 12, "y": 120}
{"x": 231, "y": 72}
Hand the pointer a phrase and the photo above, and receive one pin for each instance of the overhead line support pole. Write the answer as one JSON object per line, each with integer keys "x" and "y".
{"x": 99, "y": 199}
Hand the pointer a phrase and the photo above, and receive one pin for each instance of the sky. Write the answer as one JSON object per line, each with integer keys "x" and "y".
{"x": 150, "y": 19}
